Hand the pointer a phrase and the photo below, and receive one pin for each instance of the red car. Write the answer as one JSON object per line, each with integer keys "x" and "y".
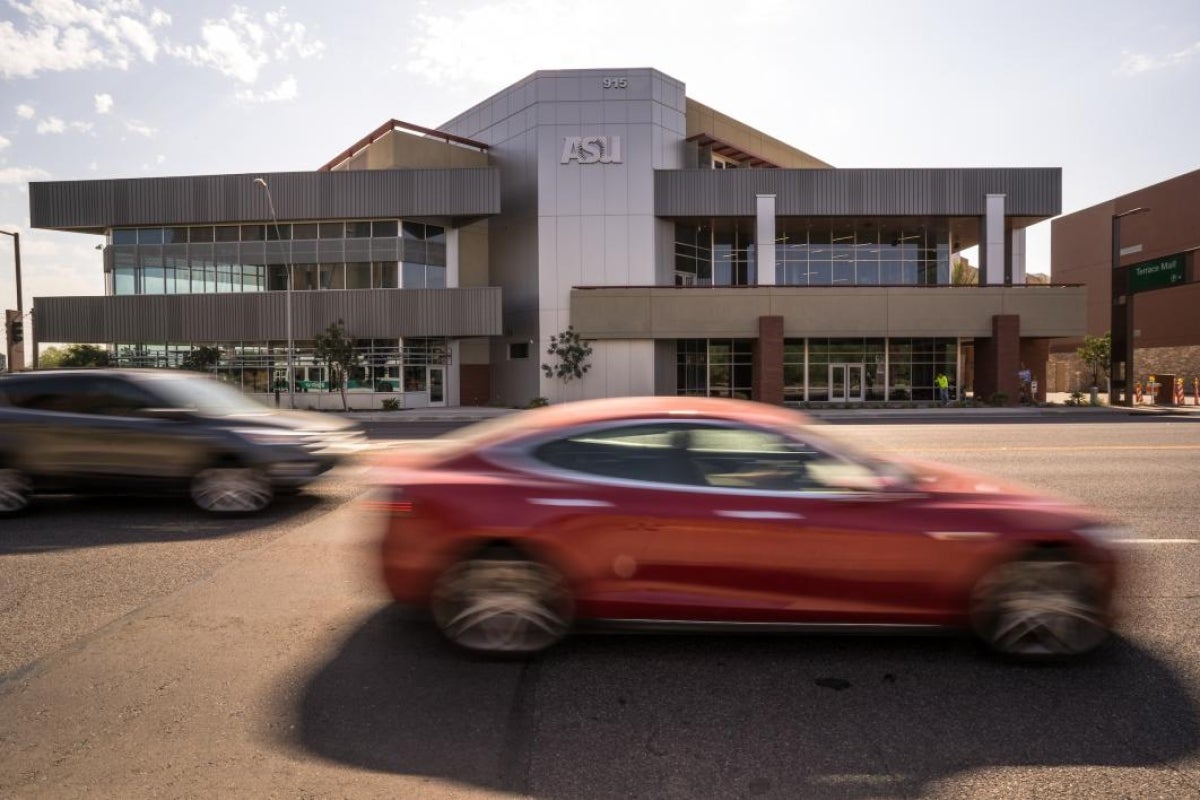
{"x": 698, "y": 513}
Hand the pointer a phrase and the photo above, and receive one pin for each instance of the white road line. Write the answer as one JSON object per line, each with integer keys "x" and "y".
{"x": 1156, "y": 541}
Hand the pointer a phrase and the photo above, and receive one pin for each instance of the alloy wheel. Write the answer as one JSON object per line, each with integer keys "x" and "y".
{"x": 225, "y": 490}
{"x": 502, "y": 606}
{"x": 15, "y": 491}
{"x": 1040, "y": 608}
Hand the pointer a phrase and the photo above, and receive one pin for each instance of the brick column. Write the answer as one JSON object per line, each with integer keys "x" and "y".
{"x": 768, "y": 361}
{"x": 998, "y": 358}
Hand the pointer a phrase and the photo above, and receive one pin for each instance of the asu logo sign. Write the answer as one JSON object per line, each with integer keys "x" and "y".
{"x": 591, "y": 150}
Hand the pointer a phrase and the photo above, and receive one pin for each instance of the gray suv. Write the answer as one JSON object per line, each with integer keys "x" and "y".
{"x": 150, "y": 431}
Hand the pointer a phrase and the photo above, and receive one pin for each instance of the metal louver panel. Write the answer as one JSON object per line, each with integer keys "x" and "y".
{"x": 259, "y": 316}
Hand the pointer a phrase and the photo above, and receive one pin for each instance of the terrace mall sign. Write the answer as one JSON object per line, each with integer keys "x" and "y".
{"x": 1160, "y": 273}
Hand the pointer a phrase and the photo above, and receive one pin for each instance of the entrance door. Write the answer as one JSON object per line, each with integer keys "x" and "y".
{"x": 846, "y": 383}
{"x": 437, "y": 386}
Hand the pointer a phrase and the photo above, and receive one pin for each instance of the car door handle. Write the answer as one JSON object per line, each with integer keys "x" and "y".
{"x": 569, "y": 502}
{"x": 755, "y": 514}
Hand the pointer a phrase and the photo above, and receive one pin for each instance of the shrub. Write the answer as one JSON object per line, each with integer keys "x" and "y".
{"x": 390, "y": 404}
{"x": 998, "y": 399}
{"x": 538, "y": 402}
{"x": 1076, "y": 399}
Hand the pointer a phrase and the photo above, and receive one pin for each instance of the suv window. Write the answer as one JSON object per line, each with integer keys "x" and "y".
{"x": 80, "y": 394}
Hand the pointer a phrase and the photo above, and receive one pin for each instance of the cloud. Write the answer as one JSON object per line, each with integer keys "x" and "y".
{"x": 63, "y": 36}
{"x": 18, "y": 175}
{"x": 241, "y": 45}
{"x": 26, "y": 111}
{"x": 104, "y": 103}
{"x": 1137, "y": 63}
{"x": 56, "y": 125}
{"x": 4, "y": 143}
{"x": 51, "y": 125}
{"x": 286, "y": 90}
{"x": 140, "y": 128}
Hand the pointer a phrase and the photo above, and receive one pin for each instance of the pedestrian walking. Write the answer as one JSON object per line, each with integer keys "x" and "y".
{"x": 943, "y": 387}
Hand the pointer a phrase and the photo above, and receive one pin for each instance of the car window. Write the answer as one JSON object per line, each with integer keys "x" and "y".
{"x": 642, "y": 452}
{"x": 60, "y": 393}
{"x": 109, "y": 397}
{"x": 753, "y": 459}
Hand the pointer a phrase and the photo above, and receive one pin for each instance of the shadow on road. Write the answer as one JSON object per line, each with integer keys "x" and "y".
{"x": 719, "y": 717}
{"x": 69, "y": 522}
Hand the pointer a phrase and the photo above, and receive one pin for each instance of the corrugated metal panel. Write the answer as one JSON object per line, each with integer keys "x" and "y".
{"x": 258, "y": 316}
{"x": 203, "y": 199}
{"x": 856, "y": 192}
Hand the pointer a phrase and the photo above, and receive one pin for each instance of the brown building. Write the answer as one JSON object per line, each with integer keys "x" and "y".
{"x": 1166, "y": 320}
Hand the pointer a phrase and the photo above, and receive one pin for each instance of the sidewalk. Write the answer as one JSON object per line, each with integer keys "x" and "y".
{"x": 983, "y": 414}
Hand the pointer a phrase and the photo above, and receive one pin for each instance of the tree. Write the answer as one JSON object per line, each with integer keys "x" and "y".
{"x": 51, "y": 357}
{"x": 571, "y": 354}
{"x": 962, "y": 273}
{"x": 1096, "y": 353}
{"x": 84, "y": 355}
{"x": 201, "y": 359}
{"x": 339, "y": 356}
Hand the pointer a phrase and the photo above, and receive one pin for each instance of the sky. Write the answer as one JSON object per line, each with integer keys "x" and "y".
{"x": 1109, "y": 92}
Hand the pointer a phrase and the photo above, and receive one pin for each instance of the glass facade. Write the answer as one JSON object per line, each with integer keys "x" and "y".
{"x": 207, "y": 259}
{"x": 808, "y": 253}
{"x": 715, "y": 367}
{"x": 821, "y": 370}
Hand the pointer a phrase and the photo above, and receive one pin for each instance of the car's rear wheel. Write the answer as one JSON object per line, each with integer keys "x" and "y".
{"x": 231, "y": 490}
{"x": 16, "y": 491}
{"x": 500, "y": 603}
{"x": 1045, "y": 606}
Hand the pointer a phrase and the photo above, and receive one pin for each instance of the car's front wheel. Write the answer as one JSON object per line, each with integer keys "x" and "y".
{"x": 1046, "y": 606}
{"x": 502, "y": 604}
{"x": 16, "y": 491}
{"x": 231, "y": 490}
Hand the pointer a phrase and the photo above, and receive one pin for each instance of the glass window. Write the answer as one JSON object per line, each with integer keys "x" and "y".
{"x": 414, "y": 231}
{"x": 277, "y": 277}
{"x": 643, "y": 452}
{"x": 280, "y": 232}
{"x": 225, "y": 277}
{"x": 518, "y": 350}
{"x": 201, "y": 233}
{"x": 435, "y": 277}
{"x": 358, "y": 230}
{"x": 414, "y": 276}
{"x": 358, "y": 275}
{"x": 150, "y": 236}
{"x": 306, "y": 230}
{"x": 383, "y": 228}
{"x": 333, "y": 276}
{"x": 226, "y": 233}
{"x": 254, "y": 277}
{"x": 384, "y": 275}
{"x": 305, "y": 277}
{"x": 125, "y": 236}
{"x": 175, "y": 235}
{"x": 331, "y": 230}
{"x": 253, "y": 233}
{"x": 124, "y": 281}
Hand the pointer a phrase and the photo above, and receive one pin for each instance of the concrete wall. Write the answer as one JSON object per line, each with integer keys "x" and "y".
{"x": 400, "y": 150}
{"x": 702, "y": 119}
{"x": 675, "y": 313}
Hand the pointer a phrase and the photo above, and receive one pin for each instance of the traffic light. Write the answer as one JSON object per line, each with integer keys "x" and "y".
{"x": 18, "y": 331}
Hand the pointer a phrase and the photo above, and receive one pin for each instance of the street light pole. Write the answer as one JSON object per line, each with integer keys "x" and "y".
{"x": 1121, "y": 352}
{"x": 291, "y": 376}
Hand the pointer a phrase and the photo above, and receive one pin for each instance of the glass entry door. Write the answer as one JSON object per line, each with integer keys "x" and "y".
{"x": 846, "y": 383}
{"x": 437, "y": 386}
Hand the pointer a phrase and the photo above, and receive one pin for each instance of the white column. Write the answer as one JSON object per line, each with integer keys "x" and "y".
{"x": 765, "y": 237}
{"x": 1017, "y": 243}
{"x": 452, "y": 258}
{"x": 992, "y": 249}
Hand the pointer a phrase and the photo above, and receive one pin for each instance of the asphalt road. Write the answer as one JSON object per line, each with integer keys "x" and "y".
{"x": 151, "y": 652}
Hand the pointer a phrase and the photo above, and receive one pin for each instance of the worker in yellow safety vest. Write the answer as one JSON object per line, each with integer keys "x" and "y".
{"x": 943, "y": 387}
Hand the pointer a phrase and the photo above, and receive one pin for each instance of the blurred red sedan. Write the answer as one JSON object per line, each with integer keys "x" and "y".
{"x": 696, "y": 513}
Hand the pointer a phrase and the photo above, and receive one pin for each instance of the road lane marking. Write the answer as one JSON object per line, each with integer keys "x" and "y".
{"x": 1156, "y": 541}
{"x": 1052, "y": 448}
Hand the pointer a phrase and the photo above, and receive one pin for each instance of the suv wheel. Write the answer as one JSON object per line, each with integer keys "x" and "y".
{"x": 15, "y": 491}
{"x": 231, "y": 490}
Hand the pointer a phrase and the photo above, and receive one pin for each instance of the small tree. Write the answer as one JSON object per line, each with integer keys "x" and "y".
{"x": 571, "y": 354}
{"x": 51, "y": 357}
{"x": 339, "y": 356}
{"x": 1096, "y": 354}
{"x": 84, "y": 355}
{"x": 201, "y": 359}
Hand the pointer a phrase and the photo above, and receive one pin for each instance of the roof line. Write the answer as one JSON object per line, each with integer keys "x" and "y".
{"x": 728, "y": 150}
{"x": 393, "y": 125}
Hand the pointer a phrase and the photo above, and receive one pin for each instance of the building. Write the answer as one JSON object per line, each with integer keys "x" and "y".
{"x": 696, "y": 254}
{"x": 1159, "y": 241}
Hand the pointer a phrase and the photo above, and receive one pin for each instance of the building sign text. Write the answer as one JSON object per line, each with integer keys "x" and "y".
{"x": 591, "y": 150}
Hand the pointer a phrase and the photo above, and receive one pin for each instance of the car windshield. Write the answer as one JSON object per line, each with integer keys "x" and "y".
{"x": 208, "y": 396}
